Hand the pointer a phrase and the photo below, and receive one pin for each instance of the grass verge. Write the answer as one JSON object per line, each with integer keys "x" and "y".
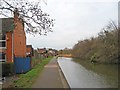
{"x": 27, "y": 79}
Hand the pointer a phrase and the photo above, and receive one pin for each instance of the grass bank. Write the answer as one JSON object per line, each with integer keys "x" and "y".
{"x": 26, "y": 80}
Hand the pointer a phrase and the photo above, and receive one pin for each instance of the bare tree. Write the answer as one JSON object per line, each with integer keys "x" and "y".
{"x": 36, "y": 21}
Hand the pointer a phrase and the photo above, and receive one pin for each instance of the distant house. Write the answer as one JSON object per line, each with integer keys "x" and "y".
{"x": 42, "y": 52}
{"x": 52, "y": 52}
{"x": 47, "y": 52}
{"x": 29, "y": 51}
{"x": 12, "y": 39}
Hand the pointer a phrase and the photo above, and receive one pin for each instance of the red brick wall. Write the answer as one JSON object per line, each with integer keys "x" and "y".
{"x": 9, "y": 47}
{"x": 19, "y": 39}
{"x": 28, "y": 49}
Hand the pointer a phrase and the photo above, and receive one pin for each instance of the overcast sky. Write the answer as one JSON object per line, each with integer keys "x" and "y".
{"x": 74, "y": 20}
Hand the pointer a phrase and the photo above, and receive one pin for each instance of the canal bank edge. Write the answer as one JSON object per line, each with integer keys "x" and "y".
{"x": 62, "y": 76}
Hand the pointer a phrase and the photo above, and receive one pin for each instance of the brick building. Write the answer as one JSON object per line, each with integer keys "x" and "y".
{"x": 29, "y": 51}
{"x": 12, "y": 39}
{"x": 42, "y": 52}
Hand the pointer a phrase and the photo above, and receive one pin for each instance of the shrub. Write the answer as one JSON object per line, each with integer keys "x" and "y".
{"x": 104, "y": 48}
{"x": 7, "y": 69}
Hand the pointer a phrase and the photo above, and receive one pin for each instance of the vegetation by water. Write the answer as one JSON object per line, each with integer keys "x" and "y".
{"x": 26, "y": 80}
{"x": 102, "y": 49}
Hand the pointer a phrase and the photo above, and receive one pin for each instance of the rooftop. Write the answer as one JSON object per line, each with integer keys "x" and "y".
{"x": 7, "y": 24}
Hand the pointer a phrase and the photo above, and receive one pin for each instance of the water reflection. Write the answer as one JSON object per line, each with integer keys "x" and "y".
{"x": 108, "y": 71}
{"x": 83, "y": 74}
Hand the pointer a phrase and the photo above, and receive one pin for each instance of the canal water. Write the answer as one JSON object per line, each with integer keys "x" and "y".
{"x": 83, "y": 74}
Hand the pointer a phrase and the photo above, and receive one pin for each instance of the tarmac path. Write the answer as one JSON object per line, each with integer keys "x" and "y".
{"x": 50, "y": 77}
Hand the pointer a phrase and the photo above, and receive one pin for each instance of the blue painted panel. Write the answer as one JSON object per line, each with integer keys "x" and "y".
{"x": 26, "y": 64}
{"x": 22, "y": 65}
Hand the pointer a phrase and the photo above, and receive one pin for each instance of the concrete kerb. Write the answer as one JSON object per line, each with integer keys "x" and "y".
{"x": 62, "y": 76}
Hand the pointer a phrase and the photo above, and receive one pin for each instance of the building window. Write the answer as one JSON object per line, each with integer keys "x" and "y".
{"x": 2, "y": 44}
{"x": 2, "y": 41}
{"x": 2, "y": 57}
{"x": 2, "y": 37}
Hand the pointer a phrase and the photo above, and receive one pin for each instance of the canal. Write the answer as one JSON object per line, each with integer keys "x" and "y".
{"x": 83, "y": 74}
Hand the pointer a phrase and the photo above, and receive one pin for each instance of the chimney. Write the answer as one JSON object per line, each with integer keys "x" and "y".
{"x": 16, "y": 15}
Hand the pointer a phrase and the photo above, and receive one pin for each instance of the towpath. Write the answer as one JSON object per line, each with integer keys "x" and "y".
{"x": 51, "y": 77}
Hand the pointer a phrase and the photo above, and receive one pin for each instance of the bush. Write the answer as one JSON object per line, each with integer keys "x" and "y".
{"x": 7, "y": 69}
{"x": 104, "y": 48}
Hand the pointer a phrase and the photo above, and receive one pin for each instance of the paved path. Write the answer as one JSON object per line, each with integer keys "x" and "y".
{"x": 50, "y": 77}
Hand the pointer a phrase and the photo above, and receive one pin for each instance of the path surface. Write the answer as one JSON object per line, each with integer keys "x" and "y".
{"x": 50, "y": 77}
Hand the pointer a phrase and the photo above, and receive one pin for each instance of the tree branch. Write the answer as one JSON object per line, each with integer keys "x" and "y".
{"x": 36, "y": 21}
{"x": 7, "y": 9}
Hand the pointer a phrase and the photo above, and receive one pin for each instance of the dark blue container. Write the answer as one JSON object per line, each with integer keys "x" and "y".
{"x": 22, "y": 65}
